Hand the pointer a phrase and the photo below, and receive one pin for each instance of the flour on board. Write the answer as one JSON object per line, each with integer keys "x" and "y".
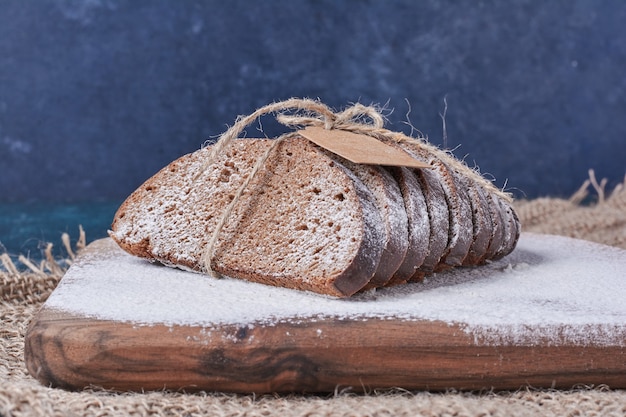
{"x": 550, "y": 288}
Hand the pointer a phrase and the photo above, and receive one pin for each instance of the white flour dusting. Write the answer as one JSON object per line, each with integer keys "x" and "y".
{"x": 550, "y": 289}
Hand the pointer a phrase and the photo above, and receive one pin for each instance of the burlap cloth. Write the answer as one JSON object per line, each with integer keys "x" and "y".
{"x": 21, "y": 294}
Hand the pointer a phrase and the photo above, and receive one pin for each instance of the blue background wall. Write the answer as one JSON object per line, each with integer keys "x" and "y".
{"x": 96, "y": 95}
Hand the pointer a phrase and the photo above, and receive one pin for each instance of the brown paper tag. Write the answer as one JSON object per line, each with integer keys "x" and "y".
{"x": 361, "y": 149}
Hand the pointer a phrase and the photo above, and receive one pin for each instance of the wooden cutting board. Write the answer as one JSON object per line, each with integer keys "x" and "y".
{"x": 551, "y": 314}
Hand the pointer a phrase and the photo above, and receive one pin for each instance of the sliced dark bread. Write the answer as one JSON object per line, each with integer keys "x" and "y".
{"x": 497, "y": 230}
{"x": 459, "y": 240}
{"x": 481, "y": 221}
{"x": 438, "y": 215}
{"x": 511, "y": 227}
{"x": 304, "y": 222}
{"x": 438, "y": 212}
{"x": 418, "y": 224}
{"x": 516, "y": 228}
{"x": 482, "y": 224}
{"x": 462, "y": 212}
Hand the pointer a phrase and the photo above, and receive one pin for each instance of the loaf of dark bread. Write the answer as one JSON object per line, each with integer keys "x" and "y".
{"x": 310, "y": 220}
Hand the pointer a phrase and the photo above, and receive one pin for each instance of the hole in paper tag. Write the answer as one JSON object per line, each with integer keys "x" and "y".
{"x": 361, "y": 149}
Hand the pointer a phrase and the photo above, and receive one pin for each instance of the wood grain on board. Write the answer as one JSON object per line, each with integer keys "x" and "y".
{"x": 73, "y": 353}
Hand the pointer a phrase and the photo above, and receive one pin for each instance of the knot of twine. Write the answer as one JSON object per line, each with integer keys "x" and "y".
{"x": 297, "y": 112}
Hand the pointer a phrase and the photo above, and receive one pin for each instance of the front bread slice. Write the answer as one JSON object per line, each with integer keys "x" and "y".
{"x": 303, "y": 222}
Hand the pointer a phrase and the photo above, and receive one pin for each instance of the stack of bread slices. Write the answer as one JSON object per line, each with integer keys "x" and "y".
{"x": 311, "y": 220}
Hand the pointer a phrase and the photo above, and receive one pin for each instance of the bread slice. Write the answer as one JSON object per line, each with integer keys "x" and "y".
{"x": 304, "y": 222}
{"x": 516, "y": 227}
{"x": 461, "y": 215}
{"x": 418, "y": 224}
{"x": 497, "y": 230}
{"x": 438, "y": 215}
{"x": 481, "y": 221}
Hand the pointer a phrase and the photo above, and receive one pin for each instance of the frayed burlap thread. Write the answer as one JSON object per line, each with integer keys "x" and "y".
{"x": 601, "y": 222}
{"x": 296, "y": 113}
